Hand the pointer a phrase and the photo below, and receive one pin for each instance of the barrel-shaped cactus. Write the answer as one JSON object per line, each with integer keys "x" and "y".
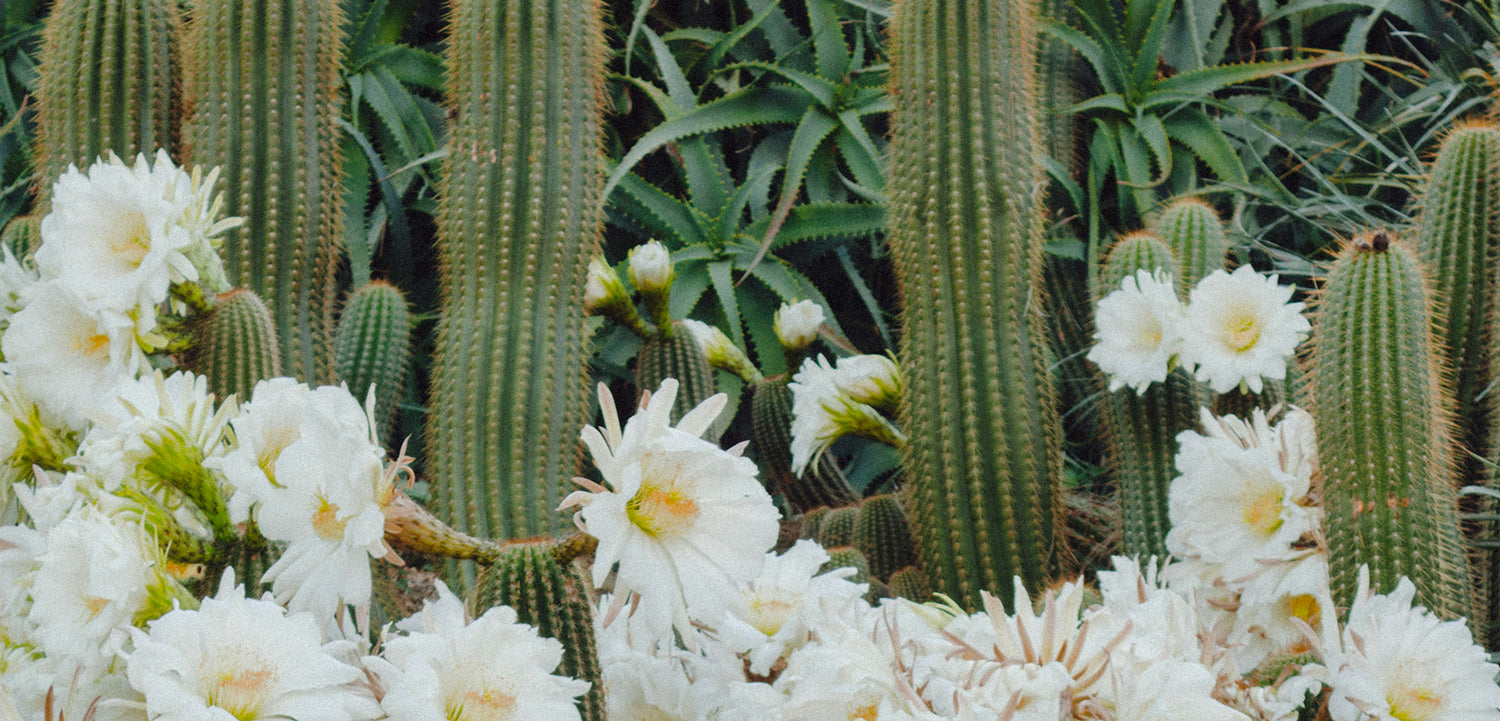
{"x": 553, "y": 597}
{"x": 822, "y": 484}
{"x": 373, "y": 347}
{"x": 1384, "y": 430}
{"x": 22, "y": 235}
{"x": 262, "y": 91}
{"x": 1142, "y": 427}
{"x": 1194, "y": 232}
{"x": 234, "y": 344}
{"x": 106, "y": 83}
{"x": 679, "y": 356}
{"x": 883, "y": 535}
{"x": 519, "y": 216}
{"x": 983, "y": 455}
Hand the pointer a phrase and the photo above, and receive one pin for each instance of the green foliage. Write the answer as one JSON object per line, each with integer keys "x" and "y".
{"x": 822, "y": 483}
{"x": 107, "y": 84}
{"x": 1388, "y": 491}
{"x": 373, "y": 347}
{"x": 984, "y": 456}
{"x": 518, "y": 222}
{"x": 262, "y": 92}
{"x": 554, "y": 598}
{"x": 234, "y": 344}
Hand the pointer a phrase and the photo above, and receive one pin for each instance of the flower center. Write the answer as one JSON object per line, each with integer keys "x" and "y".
{"x": 133, "y": 241}
{"x": 660, "y": 511}
{"x": 1150, "y": 334}
{"x": 92, "y": 345}
{"x": 241, "y": 691}
{"x": 1305, "y": 607}
{"x": 1263, "y": 513}
{"x": 768, "y": 615}
{"x": 325, "y": 521}
{"x": 484, "y": 704}
{"x": 1415, "y": 704}
{"x": 864, "y": 712}
{"x": 1243, "y": 332}
{"x": 95, "y": 605}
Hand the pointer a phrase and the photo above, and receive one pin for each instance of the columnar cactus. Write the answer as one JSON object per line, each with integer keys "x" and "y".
{"x": 984, "y": 458}
{"x": 553, "y": 597}
{"x": 518, "y": 220}
{"x": 674, "y": 353}
{"x": 823, "y": 483}
{"x": 373, "y": 347}
{"x": 106, "y": 83}
{"x": 262, "y": 91}
{"x": 234, "y": 344}
{"x": 1384, "y": 430}
{"x": 1143, "y": 427}
{"x": 22, "y": 235}
{"x": 1192, "y": 229}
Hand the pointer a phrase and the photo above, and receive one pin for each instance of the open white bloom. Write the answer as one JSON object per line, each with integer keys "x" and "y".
{"x": 447, "y": 668}
{"x": 773, "y": 614}
{"x": 1234, "y": 505}
{"x": 65, "y": 359}
{"x": 1400, "y": 663}
{"x": 1277, "y": 607}
{"x": 666, "y": 510}
{"x": 113, "y": 239}
{"x": 1240, "y": 328}
{"x": 170, "y": 418}
{"x": 15, "y": 278}
{"x": 797, "y": 324}
{"x": 1168, "y": 690}
{"x": 1137, "y": 331}
{"x": 824, "y": 411}
{"x": 244, "y": 658}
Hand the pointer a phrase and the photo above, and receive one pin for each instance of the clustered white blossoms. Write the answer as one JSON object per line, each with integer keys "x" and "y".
{"x": 1236, "y": 330}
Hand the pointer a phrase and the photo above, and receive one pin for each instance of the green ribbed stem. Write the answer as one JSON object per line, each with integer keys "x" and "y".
{"x": 553, "y": 598}
{"x": 837, "y": 527}
{"x": 680, "y": 357}
{"x": 234, "y": 345}
{"x": 22, "y": 235}
{"x": 105, "y": 84}
{"x": 984, "y": 455}
{"x": 1192, "y": 229}
{"x": 1143, "y": 427}
{"x": 822, "y": 484}
{"x": 261, "y": 82}
{"x": 1057, "y": 87}
{"x": 910, "y": 583}
{"x": 518, "y": 220}
{"x": 883, "y": 535}
{"x": 373, "y": 347}
{"x": 1384, "y": 437}
{"x": 848, "y": 557}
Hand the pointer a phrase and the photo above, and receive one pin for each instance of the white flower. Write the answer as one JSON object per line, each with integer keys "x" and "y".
{"x": 796, "y": 325}
{"x": 874, "y": 380}
{"x": 1277, "y": 608}
{"x": 667, "y": 508}
{"x": 65, "y": 359}
{"x": 1137, "y": 331}
{"x": 15, "y": 278}
{"x": 1400, "y": 663}
{"x": 1240, "y": 328}
{"x": 823, "y": 410}
{"x": 1234, "y": 505}
{"x": 1168, "y": 690}
{"x": 774, "y": 613}
{"x": 650, "y": 267}
{"x": 113, "y": 239}
{"x": 172, "y": 418}
{"x": 244, "y": 658}
{"x": 447, "y": 668}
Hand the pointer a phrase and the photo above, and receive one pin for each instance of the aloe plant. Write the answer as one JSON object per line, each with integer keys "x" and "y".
{"x": 518, "y": 220}
{"x": 107, "y": 83}
{"x": 1388, "y": 488}
{"x": 983, "y": 455}
{"x": 262, "y": 91}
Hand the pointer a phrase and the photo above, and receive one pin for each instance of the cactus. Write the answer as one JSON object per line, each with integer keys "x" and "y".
{"x": 823, "y": 483}
{"x": 22, "y": 235}
{"x": 553, "y": 597}
{"x": 1143, "y": 428}
{"x": 518, "y": 220}
{"x": 910, "y": 583}
{"x": 234, "y": 344}
{"x": 106, "y": 83}
{"x": 882, "y": 534}
{"x": 679, "y": 356}
{"x": 1384, "y": 430}
{"x": 848, "y": 557}
{"x": 1057, "y": 86}
{"x": 373, "y": 347}
{"x": 984, "y": 457}
{"x": 262, "y": 91}
{"x": 1192, "y": 229}
{"x": 837, "y": 527}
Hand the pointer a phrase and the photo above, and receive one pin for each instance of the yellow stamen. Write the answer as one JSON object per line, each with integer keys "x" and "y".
{"x": 1263, "y": 514}
{"x": 325, "y": 521}
{"x": 1244, "y": 330}
{"x": 1415, "y": 704}
{"x": 656, "y": 510}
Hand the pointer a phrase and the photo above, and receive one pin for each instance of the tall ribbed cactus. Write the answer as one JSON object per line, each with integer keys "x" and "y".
{"x": 373, "y": 347}
{"x": 1384, "y": 440}
{"x": 518, "y": 219}
{"x": 1192, "y": 229}
{"x": 262, "y": 91}
{"x": 553, "y": 597}
{"x": 106, "y": 83}
{"x": 234, "y": 344}
{"x": 983, "y": 459}
{"x": 1143, "y": 428}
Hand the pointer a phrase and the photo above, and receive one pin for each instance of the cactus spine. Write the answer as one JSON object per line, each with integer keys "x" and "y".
{"x": 234, "y": 344}
{"x": 1192, "y": 229}
{"x": 822, "y": 484}
{"x": 1384, "y": 430}
{"x": 984, "y": 454}
{"x": 518, "y": 220}
{"x": 106, "y": 83}
{"x": 263, "y": 94}
{"x": 837, "y": 527}
{"x": 373, "y": 347}
{"x": 22, "y": 235}
{"x": 554, "y": 598}
{"x": 1143, "y": 427}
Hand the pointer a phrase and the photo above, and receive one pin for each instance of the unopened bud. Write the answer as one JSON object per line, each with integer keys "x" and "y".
{"x": 797, "y": 324}
{"x": 651, "y": 268}
{"x": 720, "y": 351}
